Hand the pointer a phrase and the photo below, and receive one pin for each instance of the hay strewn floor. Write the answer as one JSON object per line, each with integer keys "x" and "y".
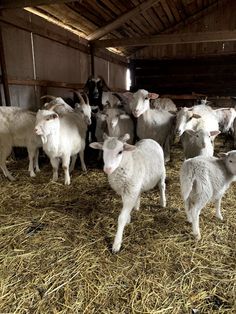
{"x": 55, "y": 246}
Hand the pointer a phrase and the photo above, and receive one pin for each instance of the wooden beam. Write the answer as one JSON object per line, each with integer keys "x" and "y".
{"x": 170, "y": 39}
{"x": 16, "y": 4}
{"x": 122, "y": 19}
{"x": 4, "y": 77}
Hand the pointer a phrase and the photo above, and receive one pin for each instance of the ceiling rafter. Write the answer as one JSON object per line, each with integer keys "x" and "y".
{"x": 121, "y": 19}
{"x": 15, "y": 4}
{"x": 168, "y": 39}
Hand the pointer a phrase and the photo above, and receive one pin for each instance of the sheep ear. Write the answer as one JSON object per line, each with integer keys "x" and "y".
{"x": 128, "y": 147}
{"x": 214, "y": 133}
{"x": 153, "y": 95}
{"x": 124, "y": 138}
{"x": 222, "y": 155}
{"x": 128, "y": 95}
{"x": 105, "y": 136}
{"x": 96, "y": 145}
{"x": 196, "y": 116}
{"x": 190, "y": 132}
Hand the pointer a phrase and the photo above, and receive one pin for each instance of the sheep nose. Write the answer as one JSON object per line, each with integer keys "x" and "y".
{"x": 107, "y": 170}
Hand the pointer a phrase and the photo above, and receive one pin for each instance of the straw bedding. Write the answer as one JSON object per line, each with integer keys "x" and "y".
{"x": 55, "y": 248}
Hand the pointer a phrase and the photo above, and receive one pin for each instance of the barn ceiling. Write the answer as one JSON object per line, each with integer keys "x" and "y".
{"x": 96, "y": 20}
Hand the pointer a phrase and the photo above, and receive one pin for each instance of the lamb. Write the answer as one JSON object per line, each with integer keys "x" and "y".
{"x": 204, "y": 179}
{"x": 195, "y": 118}
{"x": 152, "y": 123}
{"x": 63, "y": 137}
{"x": 132, "y": 170}
{"x": 199, "y": 142}
{"x": 17, "y": 129}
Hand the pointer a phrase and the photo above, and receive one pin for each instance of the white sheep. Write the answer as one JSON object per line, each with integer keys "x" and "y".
{"x": 204, "y": 179}
{"x": 132, "y": 170}
{"x": 17, "y": 129}
{"x": 119, "y": 123}
{"x": 152, "y": 123}
{"x": 225, "y": 118}
{"x": 63, "y": 137}
{"x": 198, "y": 142}
{"x": 57, "y": 104}
{"x": 195, "y": 118}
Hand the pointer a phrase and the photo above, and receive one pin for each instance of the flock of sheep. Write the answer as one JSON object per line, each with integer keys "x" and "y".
{"x": 117, "y": 121}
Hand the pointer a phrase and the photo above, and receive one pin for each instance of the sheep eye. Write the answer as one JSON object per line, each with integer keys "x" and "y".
{"x": 230, "y": 161}
{"x": 146, "y": 98}
{"x": 120, "y": 152}
{"x": 190, "y": 118}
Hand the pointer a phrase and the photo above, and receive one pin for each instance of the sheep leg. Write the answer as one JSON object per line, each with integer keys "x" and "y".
{"x": 72, "y": 164}
{"x": 167, "y": 149}
{"x": 162, "y": 188}
{"x": 5, "y": 152}
{"x": 137, "y": 204}
{"x": 218, "y": 211}
{"x": 55, "y": 165}
{"x": 36, "y": 160}
{"x": 65, "y": 166}
{"x": 81, "y": 156}
{"x": 123, "y": 219}
{"x": 31, "y": 154}
{"x": 188, "y": 211}
{"x": 195, "y": 210}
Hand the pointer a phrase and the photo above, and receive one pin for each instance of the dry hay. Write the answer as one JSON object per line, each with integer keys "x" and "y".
{"x": 55, "y": 246}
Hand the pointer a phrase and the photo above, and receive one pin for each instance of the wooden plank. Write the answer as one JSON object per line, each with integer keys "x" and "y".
{"x": 167, "y": 11}
{"x": 4, "y": 77}
{"x": 169, "y": 39}
{"x": 121, "y": 19}
{"x": 14, "y": 4}
{"x": 42, "y": 83}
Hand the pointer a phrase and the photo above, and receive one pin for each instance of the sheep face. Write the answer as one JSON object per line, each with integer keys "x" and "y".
{"x": 230, "y": 160}
{"x": 185, "y": 120}
{"x": 86, "y": 112}
{"x": 140, "y": 102}
{"x": 46, "y": 123}
{"x": 113, "y": 149}
{"x": 113, "y": 115}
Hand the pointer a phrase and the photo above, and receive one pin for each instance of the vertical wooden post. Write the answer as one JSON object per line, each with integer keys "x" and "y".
{"x": 4, "y": 71}
{"x": 92, "y": 59}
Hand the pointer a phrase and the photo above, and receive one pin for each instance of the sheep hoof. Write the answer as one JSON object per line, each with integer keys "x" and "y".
{"x": 197, "y": 237}
{"x": 116, "y": 248}
{"x": 37, "y": 170}
{"x": 32, "y": 174}
{"x": 11, "y": 178}
{"x": 220, "y": 217}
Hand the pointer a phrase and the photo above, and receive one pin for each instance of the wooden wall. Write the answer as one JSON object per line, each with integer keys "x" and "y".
{"x": 31, "y": 58}
{"x": 214, "y": 76}
{"x": 222, "y": 18}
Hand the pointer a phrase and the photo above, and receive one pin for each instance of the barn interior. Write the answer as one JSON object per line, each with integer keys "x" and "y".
{"x": 55, "y": 242}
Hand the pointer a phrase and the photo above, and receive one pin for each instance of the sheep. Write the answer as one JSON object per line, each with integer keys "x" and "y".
{"x": 152, "y": 123}
{"x": 198, "y": 142}
{"x": 233, "y": 130}
{"x": 62, "y": 137}
{"x": 204, "y": 179}
{"x": 119, "y": 123}
{"x": 132, "y": 170}
{"x": 17, "y": 129}
{"x": 197, "y": 117}
{"x": 225, "y": 118}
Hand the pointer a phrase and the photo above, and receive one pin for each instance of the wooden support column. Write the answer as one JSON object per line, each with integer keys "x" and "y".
{"x": 92, "y": 59}
{"x": 4, "y": 72}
